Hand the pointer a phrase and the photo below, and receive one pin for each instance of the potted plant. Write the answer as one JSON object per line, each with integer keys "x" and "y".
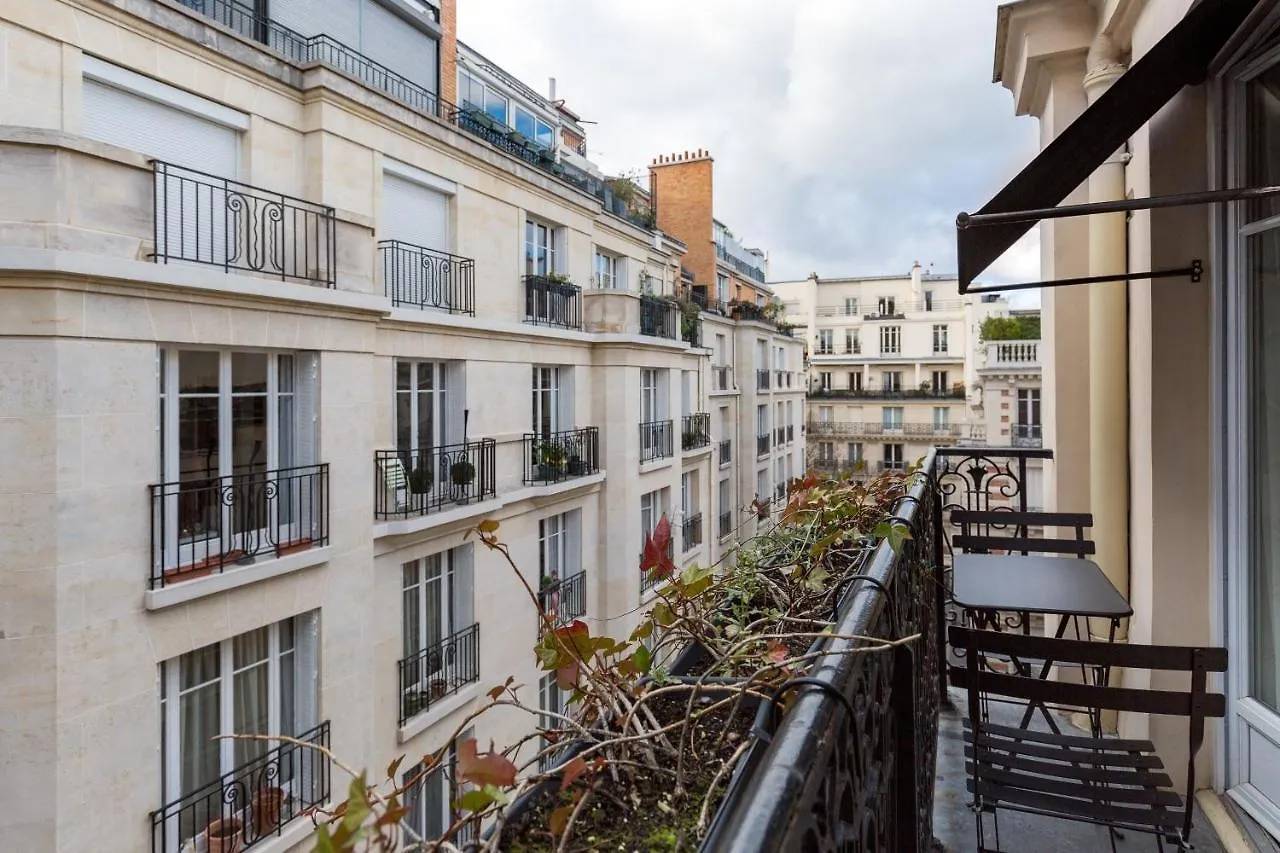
{"x": 421, "y": 479}
{"x": 222, "y": 835}
{"x": 439, "y": 687}
{"x": 551, "y": 458}
{"x": 576, "y": 466}
{"x": 462, "y": 473}
{"x": 266, "y": 810}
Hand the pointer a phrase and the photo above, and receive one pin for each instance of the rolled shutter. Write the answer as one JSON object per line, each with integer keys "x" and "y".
{"x": 414, "y": 213}
{"x": 391, "y": 41}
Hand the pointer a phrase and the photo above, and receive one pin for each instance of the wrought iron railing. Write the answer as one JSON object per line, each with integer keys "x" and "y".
{"x": 726, "y": 451}
{"x": 657, "y": 317}
{"x": 561, "y": 455}
{"x": 867, "y": 741}
{"x": 250, "y": 804}
{"x": 691, "y": 531}
{"x": 722, "y": 377}
{"x": 207, "y": 219}
{"x": 552, "y": 302}
{"x": 655, "y": 440}
{"x": 695, "y": 431}
{"x": 762, "y": 444}
{"x": 439, "y": 670}
{"x": 726, "y": 523}
{"x": 1027, "y": 435}
{"x": 648, "y": 580}
{"x": 691, "y": 330}
{"x": 749, "y": 270}
{"x": 418, "y": 277}
{"x": 954, "y": 393}
{"x": 563, "y": 600}
{"x": 836, "y": 429}
{"x": 203, "y": 524}
{"x": 762, "y": 380}
{"x": 411, "y": 483}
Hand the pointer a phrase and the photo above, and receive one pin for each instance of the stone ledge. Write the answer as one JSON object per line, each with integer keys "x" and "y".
{"x": 228, "y": 579}
{"x": 419, "y": 723}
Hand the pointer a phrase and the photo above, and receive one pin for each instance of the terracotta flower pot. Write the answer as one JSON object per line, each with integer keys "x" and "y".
{"x": 223, "y": 835}
{"x": 266, "y": 810}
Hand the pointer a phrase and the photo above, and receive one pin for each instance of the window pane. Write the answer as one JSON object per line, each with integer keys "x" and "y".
{"x": 199, "y": 725}
{"x": 404, "y": 375}
{"x": 197, "y": 372}
{"x": 546, "y": 136}
{"x": 525, "y": 123}
{"x": 496, "y": 107}
{"x": 251, "y": 708}
{"x": 248, "y": 373}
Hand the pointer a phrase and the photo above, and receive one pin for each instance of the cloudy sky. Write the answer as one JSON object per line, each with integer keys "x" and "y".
{"x": 847, "y": 134}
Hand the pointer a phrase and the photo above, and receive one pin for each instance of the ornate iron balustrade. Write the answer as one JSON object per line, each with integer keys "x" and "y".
{"x": 839, "y": 429}
{"x": 205, "y": 524}
{"x": 411, "y": 483}
{"x": 762, "y": 380}
{"x": 561, "y": 455}
{"x": 726, "y": 524}
{"x": 418, "y": 277}
{"x": 655, "y": 440}
{"x": 563, "y": 600}
{"x": 551, "y": 302}
{"x": 439, "y": 670}
{"x": 250, "y": 804}
{"x": 722, "y": 377}
{"x": 762, "y": 445}
{"x": 657, "y": 317}
{"x": 726, "y": 451}
{"x": 695, "y": 431}
{"x": 954, "y": 393}
{"x": 647, "y": 579}
{"x": 1027, "y": 435}
{"x": 867, "y": 742}
{"x": 210, "y": 220}
{"x": 691, "y": 531}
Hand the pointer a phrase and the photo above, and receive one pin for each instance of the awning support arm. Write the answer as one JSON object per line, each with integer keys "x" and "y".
{"x": 975, "y": 220}
{"x": 1194, "y": 272}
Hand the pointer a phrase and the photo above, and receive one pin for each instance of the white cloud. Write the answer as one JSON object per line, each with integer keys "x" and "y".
{"x": 847, "y": 133}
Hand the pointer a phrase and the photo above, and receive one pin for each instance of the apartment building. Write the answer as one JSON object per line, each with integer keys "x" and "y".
{"x": 293, "y": 296}
{"x": 891, "y": 363}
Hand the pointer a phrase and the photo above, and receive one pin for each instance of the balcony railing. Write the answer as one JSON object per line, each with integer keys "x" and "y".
{"x": 207, "y": 219}
{"x": 891, "y": 465}
{"x": 749, "y": 270}
{"x": 552, "y": 302}
{"x": 561, "y": 455}
{"x": 412, "y": 483}
{"x": 762, "y": 380}
{"x": 441, "y": 669}
{"x": 956, "y": 392}
{"x": 648, "y": 580}
{"x": 418, "y": 277}
{"x": 762, "y": 445}
{"x": 791, "y": 433}
{"x": 250, "y": 804}
{"x": 658, "y": 317}
{"x": 1027, "y": 435}
{"x": 563, "y": 600}
{"x": 691, "y": 531}
{"x": 207, "y": 524}
{"x": 1013, "y": 354}
{"x": 779, "y": 435}
{"x": 821, "y": 429}
{"x": 655, "y": 440}
{"x": 726, "y": 524}
{"x": 726, "y": 451}
{"x": 695, "y": 431}
{"x": 721, "y": 375}
{"x": 691, "y": 330}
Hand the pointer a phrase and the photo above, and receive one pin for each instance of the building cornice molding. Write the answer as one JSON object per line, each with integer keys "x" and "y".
{"x": 1037, "y": 40}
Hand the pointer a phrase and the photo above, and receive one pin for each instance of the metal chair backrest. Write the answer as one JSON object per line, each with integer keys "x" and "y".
{"x": 1197, "y": 704}
{"x": 982, "y": 531}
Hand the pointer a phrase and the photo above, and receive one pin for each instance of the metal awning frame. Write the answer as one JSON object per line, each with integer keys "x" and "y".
{"x": 1194, "y": 270}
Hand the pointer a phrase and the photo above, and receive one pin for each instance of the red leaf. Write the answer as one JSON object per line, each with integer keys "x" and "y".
{"x": 778, "y": 651}
{"x": 492, "y": 768}
{"x": 656, "y": 557}
{"x": 571, "y": 772}
{"x": 567, "y": 675}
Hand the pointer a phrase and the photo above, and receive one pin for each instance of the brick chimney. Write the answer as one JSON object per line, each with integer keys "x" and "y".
{"x": 680, "y": 184}
{"x": 449, "y": 51}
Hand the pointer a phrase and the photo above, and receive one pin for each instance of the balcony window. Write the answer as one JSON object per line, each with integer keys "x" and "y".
{"x": 890, "y": 340}
{"x": 653, "y": 507}
{"x": 561, "y": 589}
{"x": 939, "y": 340}
{"x": 826, "y": 343}
{"x": 891, "y": 381}
{"x": 855, "y": 381}
{"x": 421, "y": 405}
{"x": 941, "y": 418}
{"x": 854, "y": 453}
{"x": 938, "y": 382}
{"x": 440, "y": 636}
{"x": 263, "y": 682}
{"x": 850, "y": 307}
{"x": 554, "y": 704}
{"x": 893, "y": 457}
{"x": 606, "y": 271}
{"x": 928, "y": 306}
{"x": 429, "y": 793}
{"x": 552, "y": 406}
{"x": 891, "y": 417}
{"x": 886, "y": 306}
{"x": 1029, "y": 406}
{"x": 540, "y": 248}
{"x": 237, "y": 448}
{"x": 824, "y": 381}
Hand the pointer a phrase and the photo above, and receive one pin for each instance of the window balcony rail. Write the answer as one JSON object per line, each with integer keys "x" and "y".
{"x": 836, "y": 429}
{"x": 561, "y": 456}
{"x": 658, "y": 317}
{"x": 439, "y": 670}
{"x": 418, "y": 277}
{"x": 786, "y": 330}
{"x": 250, "y": 804}
{"x": 1013, "y": 354}
{"x": 779, "y": 434}
{"x": 722, "y": 378}
{"x": 751, "y": 271}
{"x": 762, "y": 380}
{"x": 210, "y": 220}
{"x": 726, "y": 524}
{"x": 883, "y": 314}
{"x": 791, "y": 433}
{"x": 726, "y": 451}
{"x": 779, "y": 378}
{"x": 891, "y": 465}
{"x": 655, "y": 440}
{"x": 762, "y": 445}
{"x": 552, "y": 302}
{"x": 691, "y": 531}
{"x": 695, "y": 431}
{"x": 475, "y": 121}
{"x": 1027, "y": 435}
{"x": 824, "y": 349}
{"x": 563, "y": 600}
{"x": 648, "y": 580}
{"x": 956, "y": 392}
{"x": 854, "y": 349}
{"x": 413, "y": 483}
{"x": 207, "y": 524}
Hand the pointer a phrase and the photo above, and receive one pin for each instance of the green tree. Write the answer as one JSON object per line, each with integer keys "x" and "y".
{"x": 1025, "y": 327}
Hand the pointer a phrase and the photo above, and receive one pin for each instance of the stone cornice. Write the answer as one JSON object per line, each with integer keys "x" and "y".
{"x": 1036, "y": 40}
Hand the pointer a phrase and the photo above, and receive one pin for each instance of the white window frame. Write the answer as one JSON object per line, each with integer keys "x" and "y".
{"x": 850, "y": 306}
{"x": 824, "y": 380}
{"x": 940, "y": 342}
{"x": 941, "y": 417}
{"x": 607, "y": 271}
{"x": 415, "y": 799}
{"x": 541, "y": 247}
{"x": 893, "y": 456}
{"x": 890, "y": 340}
{"x": 891, "y": 380}
{"x": 826, "y": 341}
{"x": 891, "y": 418}
{"x": 548, "y": 402}
{"x": 1029, "y": 406}
{"x": 437, "y": 396}
{"x": 938, "y": 381}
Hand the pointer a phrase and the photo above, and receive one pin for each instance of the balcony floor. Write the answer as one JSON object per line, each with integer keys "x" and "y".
{"x": 953, "y": 822}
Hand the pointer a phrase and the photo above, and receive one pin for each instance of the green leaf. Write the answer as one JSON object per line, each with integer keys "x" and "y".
{"x": 496, "y": 794}
{"x": 663, "y": 614}
{"x": 642, "y": 659}
{"x": 643, "y": 631}
{"x": 475, "y": 800}
{"x": 324, "y": 844}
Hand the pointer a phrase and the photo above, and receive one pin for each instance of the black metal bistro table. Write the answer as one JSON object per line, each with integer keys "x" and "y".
{"x": 987, "y": 584}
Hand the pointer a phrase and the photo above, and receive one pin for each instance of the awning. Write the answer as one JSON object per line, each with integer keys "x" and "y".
{"x": 1181, "y": 58}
